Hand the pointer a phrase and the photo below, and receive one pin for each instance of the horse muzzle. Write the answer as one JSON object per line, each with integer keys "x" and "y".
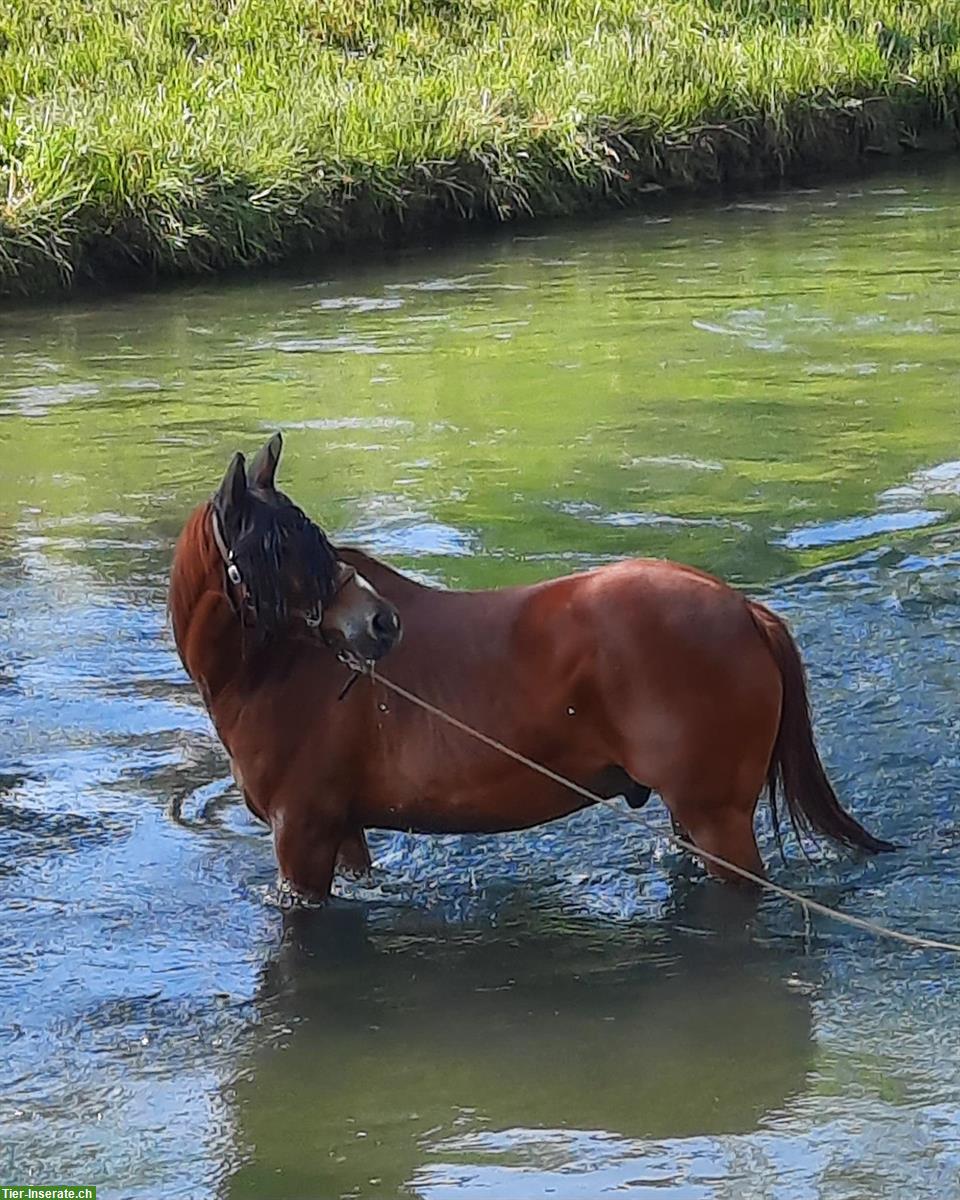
{"x": 384, "y": 632}
{"x": 359, "y": 643}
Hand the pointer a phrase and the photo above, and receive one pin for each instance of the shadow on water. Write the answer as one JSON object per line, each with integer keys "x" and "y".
{"x": 396, "y": 1044}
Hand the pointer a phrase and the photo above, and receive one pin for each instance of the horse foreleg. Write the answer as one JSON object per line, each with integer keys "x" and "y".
{"x": 306, "y": 852}
{"x": 353, "y": 855}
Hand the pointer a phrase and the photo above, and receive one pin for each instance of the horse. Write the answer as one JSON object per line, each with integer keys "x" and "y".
{"x": 636, "y": 677}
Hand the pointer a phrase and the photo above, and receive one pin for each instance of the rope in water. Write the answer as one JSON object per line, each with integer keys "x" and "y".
{"x": 808, "y": 905}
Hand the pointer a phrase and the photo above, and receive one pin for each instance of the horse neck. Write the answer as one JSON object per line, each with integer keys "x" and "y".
{"x": 207, "y": 630}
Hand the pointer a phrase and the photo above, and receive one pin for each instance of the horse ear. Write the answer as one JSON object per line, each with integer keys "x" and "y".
{"x": 229, "y": 497}
{"x": 264, "y": 467}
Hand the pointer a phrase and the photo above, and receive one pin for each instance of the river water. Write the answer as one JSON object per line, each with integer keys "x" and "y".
{"x": 768, "y": 389}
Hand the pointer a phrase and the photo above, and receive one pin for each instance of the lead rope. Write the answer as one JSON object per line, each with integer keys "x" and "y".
{"x": 808, "y": 905}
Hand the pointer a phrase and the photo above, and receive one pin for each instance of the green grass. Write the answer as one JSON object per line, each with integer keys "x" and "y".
{"x": 152, "y": 137}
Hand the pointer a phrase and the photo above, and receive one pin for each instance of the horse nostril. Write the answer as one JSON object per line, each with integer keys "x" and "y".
{"x": 385, "y": 622}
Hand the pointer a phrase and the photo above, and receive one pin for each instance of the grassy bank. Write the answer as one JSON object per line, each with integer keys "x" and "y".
{"x": 140, "y": 138}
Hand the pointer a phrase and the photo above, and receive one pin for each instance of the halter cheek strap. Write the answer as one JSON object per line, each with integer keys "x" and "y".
{"x": 229, "y": 562}
{"x": 233, "y": 571}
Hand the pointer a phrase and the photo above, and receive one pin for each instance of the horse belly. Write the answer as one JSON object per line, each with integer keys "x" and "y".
{"x": 498, "y": 807}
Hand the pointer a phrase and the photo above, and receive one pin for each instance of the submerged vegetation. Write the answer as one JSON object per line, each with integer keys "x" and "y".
{"x": 140, "y": 139}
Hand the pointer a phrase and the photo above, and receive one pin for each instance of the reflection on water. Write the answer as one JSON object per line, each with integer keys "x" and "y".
{"x": 769, "y": 391}
{"x": 484, "y": 1043}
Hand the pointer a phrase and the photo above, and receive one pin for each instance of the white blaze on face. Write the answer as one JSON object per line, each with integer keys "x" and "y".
{"x": 352, "y": 612}
{"x": 360, "y": 617}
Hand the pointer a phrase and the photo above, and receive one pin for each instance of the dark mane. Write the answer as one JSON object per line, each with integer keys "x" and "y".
{"x": 278, "y": 543}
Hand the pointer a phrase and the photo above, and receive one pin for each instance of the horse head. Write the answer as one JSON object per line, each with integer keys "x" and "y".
{"x": 283, "y": 575}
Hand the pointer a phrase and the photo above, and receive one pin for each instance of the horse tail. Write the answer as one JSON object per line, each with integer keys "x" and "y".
{"x": 796, "y": 772}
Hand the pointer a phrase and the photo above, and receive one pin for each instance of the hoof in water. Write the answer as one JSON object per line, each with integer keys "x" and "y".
{"x": 354, "y": 873}
{"x": 287, "y": 896}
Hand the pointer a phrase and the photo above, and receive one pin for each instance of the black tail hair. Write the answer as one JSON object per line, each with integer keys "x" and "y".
{"x": 796, "y": 772}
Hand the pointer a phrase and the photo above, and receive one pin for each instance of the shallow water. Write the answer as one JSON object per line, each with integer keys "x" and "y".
{"x": 767, "y": 389}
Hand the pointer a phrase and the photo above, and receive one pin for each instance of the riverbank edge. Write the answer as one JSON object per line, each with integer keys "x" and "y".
{"x": 230, "y": 226}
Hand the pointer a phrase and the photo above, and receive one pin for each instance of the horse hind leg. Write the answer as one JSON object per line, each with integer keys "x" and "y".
{"x": 617, "y": 781}
{"x": 722, "y": 827}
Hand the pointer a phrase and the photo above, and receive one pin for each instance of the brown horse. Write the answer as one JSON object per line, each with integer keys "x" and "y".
{"x": 643, "y": 675}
